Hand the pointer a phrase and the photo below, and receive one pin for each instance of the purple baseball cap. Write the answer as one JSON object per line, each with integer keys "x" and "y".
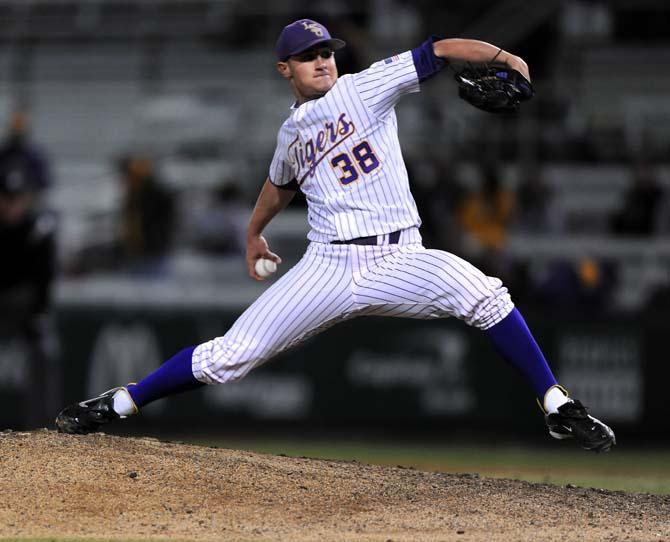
{"x": 301, "y": 35}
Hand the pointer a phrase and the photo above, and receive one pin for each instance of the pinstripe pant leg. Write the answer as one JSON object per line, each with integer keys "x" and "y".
{"x": 313, "y": 295}
{"x": 414, "y": 282}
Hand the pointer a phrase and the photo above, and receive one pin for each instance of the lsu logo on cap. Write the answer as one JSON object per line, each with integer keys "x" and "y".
{"x": 313, "y": 27}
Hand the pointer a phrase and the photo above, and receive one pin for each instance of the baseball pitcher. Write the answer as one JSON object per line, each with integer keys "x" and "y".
{"x": 339, "y": 146}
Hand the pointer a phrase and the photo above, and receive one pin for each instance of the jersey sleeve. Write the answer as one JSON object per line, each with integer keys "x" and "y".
{"x": 385, "y": 82}
{"x": 281, "y": 173}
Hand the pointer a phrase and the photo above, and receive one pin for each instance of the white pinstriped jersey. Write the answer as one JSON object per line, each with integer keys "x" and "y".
{"x": 343, "y": 150}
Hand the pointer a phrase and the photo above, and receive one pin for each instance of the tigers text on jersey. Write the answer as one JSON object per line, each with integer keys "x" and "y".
{"x": 343, "y": 150}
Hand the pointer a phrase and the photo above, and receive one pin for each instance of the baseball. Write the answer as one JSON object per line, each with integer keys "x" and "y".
{"x": 265, "y": 268}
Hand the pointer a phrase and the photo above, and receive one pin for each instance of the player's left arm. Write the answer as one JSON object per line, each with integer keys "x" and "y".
{"x": 386, "y": 81}
{"x": 475, "y": 51}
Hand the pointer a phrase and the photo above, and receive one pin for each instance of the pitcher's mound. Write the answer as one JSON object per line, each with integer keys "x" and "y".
{"x": 101, "y": 486}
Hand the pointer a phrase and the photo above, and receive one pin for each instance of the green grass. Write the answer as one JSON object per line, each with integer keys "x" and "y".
{"x": 626, "y": 470}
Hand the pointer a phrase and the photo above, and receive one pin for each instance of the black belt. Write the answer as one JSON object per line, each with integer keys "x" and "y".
{"x": 371, "y": 240}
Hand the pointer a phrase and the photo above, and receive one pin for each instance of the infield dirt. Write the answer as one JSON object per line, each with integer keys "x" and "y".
{"x": 101, "y": 486}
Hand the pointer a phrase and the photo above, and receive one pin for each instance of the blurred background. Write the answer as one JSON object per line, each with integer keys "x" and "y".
{"x": 138, "y": 134}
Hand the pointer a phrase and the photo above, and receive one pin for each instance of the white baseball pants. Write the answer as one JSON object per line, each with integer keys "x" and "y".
{"x": 333, "y": 283}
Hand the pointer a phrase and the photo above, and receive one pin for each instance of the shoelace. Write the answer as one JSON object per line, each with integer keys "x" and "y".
{"x": 574, "y": 409}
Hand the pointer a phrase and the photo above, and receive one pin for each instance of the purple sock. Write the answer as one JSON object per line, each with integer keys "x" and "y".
{"x": 514, "y": 342}
{"x": 174, "y": 376}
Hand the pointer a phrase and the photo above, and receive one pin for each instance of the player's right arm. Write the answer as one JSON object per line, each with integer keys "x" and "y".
{"x": 271, "y": 201}
{"x": 276, "y": 194}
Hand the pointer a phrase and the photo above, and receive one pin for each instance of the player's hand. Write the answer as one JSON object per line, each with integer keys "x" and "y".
{"x": 257, "y": 248}
{"x": 519, "y": 64}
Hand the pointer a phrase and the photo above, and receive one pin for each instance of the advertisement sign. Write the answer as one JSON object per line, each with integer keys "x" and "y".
{"x": 365, "y": 371}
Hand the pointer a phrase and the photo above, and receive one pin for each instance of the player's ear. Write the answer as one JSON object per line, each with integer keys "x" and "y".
{"x": 284, "y": 69}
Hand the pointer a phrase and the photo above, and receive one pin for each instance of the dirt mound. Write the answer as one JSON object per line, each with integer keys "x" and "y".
{"x": 114, "y": 487}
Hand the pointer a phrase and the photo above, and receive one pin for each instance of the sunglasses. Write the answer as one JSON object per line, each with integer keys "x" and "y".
{"x": 308, "y": 56}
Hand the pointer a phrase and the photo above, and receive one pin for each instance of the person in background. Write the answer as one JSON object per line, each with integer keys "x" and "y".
{"x": 147, "y": 217}
{"x": 221, "y": 229}
{"x": 638, "y": 216}
{"x": 17, "y": 151}
{"x": 27, "y": 237}
{"x": 485, "y": 216}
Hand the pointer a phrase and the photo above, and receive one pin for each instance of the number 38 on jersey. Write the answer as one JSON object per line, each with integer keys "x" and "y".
{"x": 361, "y": 159}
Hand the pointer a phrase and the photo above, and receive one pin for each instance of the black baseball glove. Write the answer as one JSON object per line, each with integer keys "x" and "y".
{"x": 492, "y": 89}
